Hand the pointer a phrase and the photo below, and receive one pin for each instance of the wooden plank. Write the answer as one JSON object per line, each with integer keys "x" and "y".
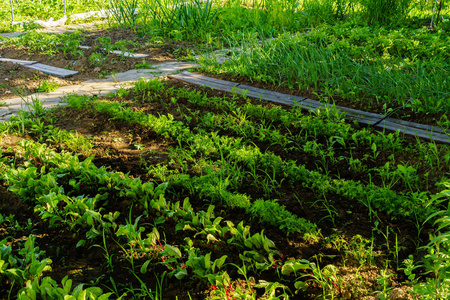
{"x": 360, "y": 116}
{"x": 209, "y": 79}
{"x": 310, "y": 104}
{"x": 231, "y": 87}
{"x": 187, "y": 79}
{"x": 52, "y": 70}
{"x": 215, "y": 85}
{"x": 355, "y": 112}
{"x": 118, "y": 52}
{"x": 255, "y": 95}
{"x": 439, "y": 137}
{"x": 273, "y": 96}
{"x": 363, "y": 120}
{"x": 417, "y": 125}
{"x": 18, "y": 61}
{"x": 285, "y": 100}
{"x": 410, "y": 128}
{"x": 252, "y": 89}
{"x": 241, "y": 88}
{"x": 351, "y": 114}
{"x": 201, "y": 82}
{"x": 129, "y": 54}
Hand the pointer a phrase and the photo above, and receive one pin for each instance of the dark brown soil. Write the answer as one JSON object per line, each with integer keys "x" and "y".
{"x": 115, "y": 147}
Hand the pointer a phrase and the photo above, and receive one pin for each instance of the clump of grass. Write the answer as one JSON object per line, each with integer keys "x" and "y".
{"x": 324, "y": 66}
{"x": 123, "y": 12}
{"x": 47, "y": 86}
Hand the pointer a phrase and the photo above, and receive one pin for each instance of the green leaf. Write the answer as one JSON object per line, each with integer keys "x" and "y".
{"x": 89, "y": 220}
{"x": 207, "y": 261}
{"x": 300, "y": 285}
{"x": 180, "y": 274}
{"x": 41, "y": 267}
{"x": 82, "y": 295}
{"x": 188, "y": 227}
{"x": 77, "y": 289}
{"x": 94, "y": 290}
{"x": 93, "y": 233}
{"x": 374, "y": 147}
{"x": 67, "y": 284}
{"x": 145, "y": 266}
{"x": 294, "y": 266}
{"x": 218, "y": 263}
{"x": 104, "y": 296}
{"x": 172, "y": 251}
{"x": 261, "y": 266}
{"x": 29, "y": 294}
{"x": 81, "y": 243}
{"x": 16, "y": 272}
{"x": 210, "y": 238}
{"x": 262, "y": 284}
{"x": 159, "y": 220}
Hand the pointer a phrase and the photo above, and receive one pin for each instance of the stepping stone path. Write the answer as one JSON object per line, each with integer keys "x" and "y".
{"x": 97, "y": 87}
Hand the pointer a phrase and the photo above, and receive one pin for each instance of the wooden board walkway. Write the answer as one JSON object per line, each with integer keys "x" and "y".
{"x": 377, "y": 120}
{"x": 59, "y": 72}
{"x": 46, "y": 69}
{"x": 18, "y": 61}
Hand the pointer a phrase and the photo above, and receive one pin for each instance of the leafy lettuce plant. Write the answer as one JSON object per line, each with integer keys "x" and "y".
{"x": 437, "y": 261}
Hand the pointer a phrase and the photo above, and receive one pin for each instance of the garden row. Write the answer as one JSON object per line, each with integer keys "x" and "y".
{"x": 350, "y": 197}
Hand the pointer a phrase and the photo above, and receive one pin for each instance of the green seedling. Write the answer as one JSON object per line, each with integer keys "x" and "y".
{"x": 47, "y": 86}
{"x": 143, "y": 65}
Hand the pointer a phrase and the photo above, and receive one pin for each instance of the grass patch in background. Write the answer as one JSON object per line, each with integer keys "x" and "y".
{"x": 376, "y": 66}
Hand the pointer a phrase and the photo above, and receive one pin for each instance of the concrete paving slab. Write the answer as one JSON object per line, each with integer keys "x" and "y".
{"x": 6, "y": 118}
{"x": 4, "y": 112}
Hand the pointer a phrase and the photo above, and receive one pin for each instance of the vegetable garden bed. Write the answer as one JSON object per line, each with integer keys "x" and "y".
{"x": 169, "y": 190}
{"x": 166, "y": 190}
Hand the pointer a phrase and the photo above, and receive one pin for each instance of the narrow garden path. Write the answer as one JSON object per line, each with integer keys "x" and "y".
{"x": 97, "y": 87}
